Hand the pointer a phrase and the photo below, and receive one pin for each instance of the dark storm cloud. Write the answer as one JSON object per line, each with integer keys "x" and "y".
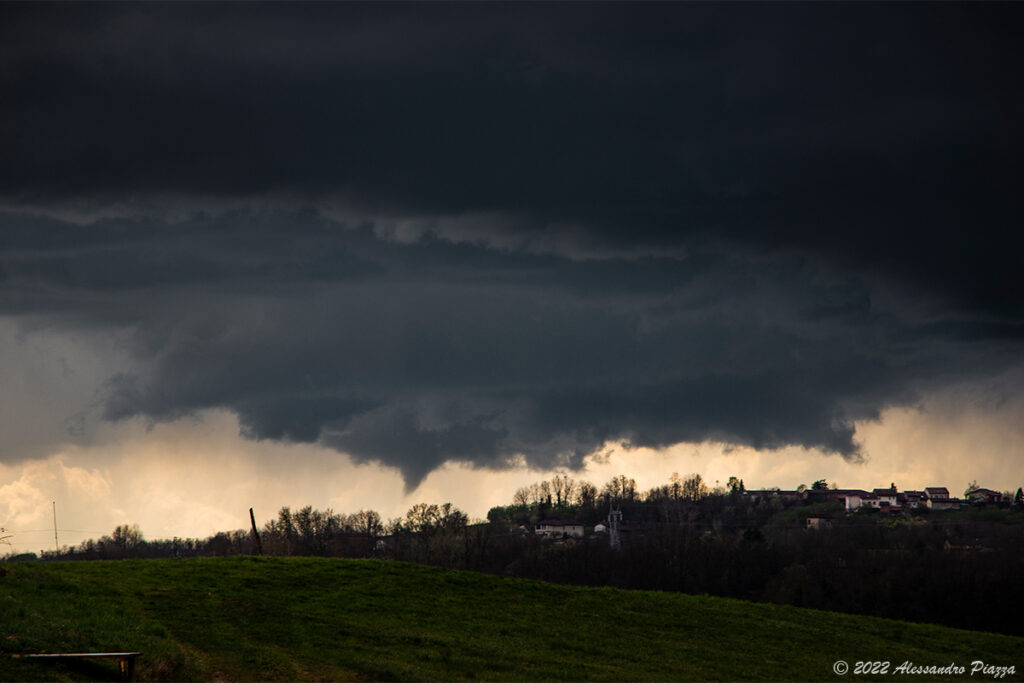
{"x": 560, "y": 224}
{"x": 412, "y": 354}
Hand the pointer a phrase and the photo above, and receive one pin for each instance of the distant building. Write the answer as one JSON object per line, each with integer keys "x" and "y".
{"x": 767, "y": 494}
{"x": 818, "y": 523}
{"x": 887, "y": 497}
{"x": 558, "y": 528}
{"x": 912, "y": 499}
{"x": 851, "y": 499}
{"x": 981, "y": 495}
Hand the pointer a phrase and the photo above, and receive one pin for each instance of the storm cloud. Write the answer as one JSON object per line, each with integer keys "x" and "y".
{"x": 484, "y": 233}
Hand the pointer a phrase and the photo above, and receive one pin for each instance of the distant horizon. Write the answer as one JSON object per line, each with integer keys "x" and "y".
{"x": 476, "y": 515}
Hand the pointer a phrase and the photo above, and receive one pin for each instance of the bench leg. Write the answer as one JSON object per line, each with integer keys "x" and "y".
{"x": 127, "y": 668}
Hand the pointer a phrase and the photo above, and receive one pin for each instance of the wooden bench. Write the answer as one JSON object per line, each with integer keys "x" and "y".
{"x": 125, "y": 660}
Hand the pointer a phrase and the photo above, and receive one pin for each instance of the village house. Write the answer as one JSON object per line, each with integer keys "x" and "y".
{"x": 912, "y": 499}
{"x": 850, "y": 498}
{"x": 887, "y": 497}
{"x": 558, "y": 528}
{"x": 938, "y": 499}
{"x": 982, "y": 495}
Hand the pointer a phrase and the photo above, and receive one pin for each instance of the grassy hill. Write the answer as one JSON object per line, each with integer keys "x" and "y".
{"x": 324, "y": 619}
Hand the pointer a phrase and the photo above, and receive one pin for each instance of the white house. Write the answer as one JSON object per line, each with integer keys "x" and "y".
{"x": 851, "y": 498}
{"x": 558, "y": 528}
{"x": 887, "y": 496}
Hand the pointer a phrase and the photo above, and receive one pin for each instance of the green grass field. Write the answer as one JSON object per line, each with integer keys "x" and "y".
{"x": 322, "y": 619}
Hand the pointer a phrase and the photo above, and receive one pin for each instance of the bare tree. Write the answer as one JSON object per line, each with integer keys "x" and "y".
{"x": 127, "y": 538}
{"x": 620, "y": 488}
{"x": 676, "y": 485}
{"x": 545, "y": 492}
{"x": 693, "y": 487}
{"x": 451, "y": 518}
{"x": 586, "y": 494}
{"x": 365, "y": 522}
{"x": 422, "y": 518}
{"x": 521, "y": 497}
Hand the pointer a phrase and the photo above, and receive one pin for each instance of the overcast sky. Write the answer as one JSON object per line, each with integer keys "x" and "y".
{"x": 364, "y": 255}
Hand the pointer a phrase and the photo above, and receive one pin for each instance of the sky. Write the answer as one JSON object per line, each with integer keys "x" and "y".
{"x": 367, "y": 255}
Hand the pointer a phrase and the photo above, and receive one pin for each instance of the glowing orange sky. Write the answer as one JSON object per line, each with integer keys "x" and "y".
{"x": 196, "y": 477}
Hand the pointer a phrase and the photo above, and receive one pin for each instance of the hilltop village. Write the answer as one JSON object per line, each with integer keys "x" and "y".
{"x": 890, "y": 499}
{"x": 816, "y": 507}
{"x": 924, "y": 555}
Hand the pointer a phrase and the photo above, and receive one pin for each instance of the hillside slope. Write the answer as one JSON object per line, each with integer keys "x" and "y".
{"x": 324, "y": 619}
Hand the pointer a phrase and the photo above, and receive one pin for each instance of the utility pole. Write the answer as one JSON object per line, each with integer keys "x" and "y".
{"x": 259, "y": 544}
{"x": 56, "y": 544}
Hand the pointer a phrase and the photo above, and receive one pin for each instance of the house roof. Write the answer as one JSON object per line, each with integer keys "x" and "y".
{"x": 933, "y": 490}
{"x": 987, "y": 492}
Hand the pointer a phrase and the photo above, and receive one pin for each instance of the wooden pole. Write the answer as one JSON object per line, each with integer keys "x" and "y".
{"x": 259, "y": 544}
{"x": 56, "y": 544}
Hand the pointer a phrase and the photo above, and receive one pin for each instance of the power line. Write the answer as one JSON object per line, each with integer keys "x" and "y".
{"x": 74, "y": 531}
